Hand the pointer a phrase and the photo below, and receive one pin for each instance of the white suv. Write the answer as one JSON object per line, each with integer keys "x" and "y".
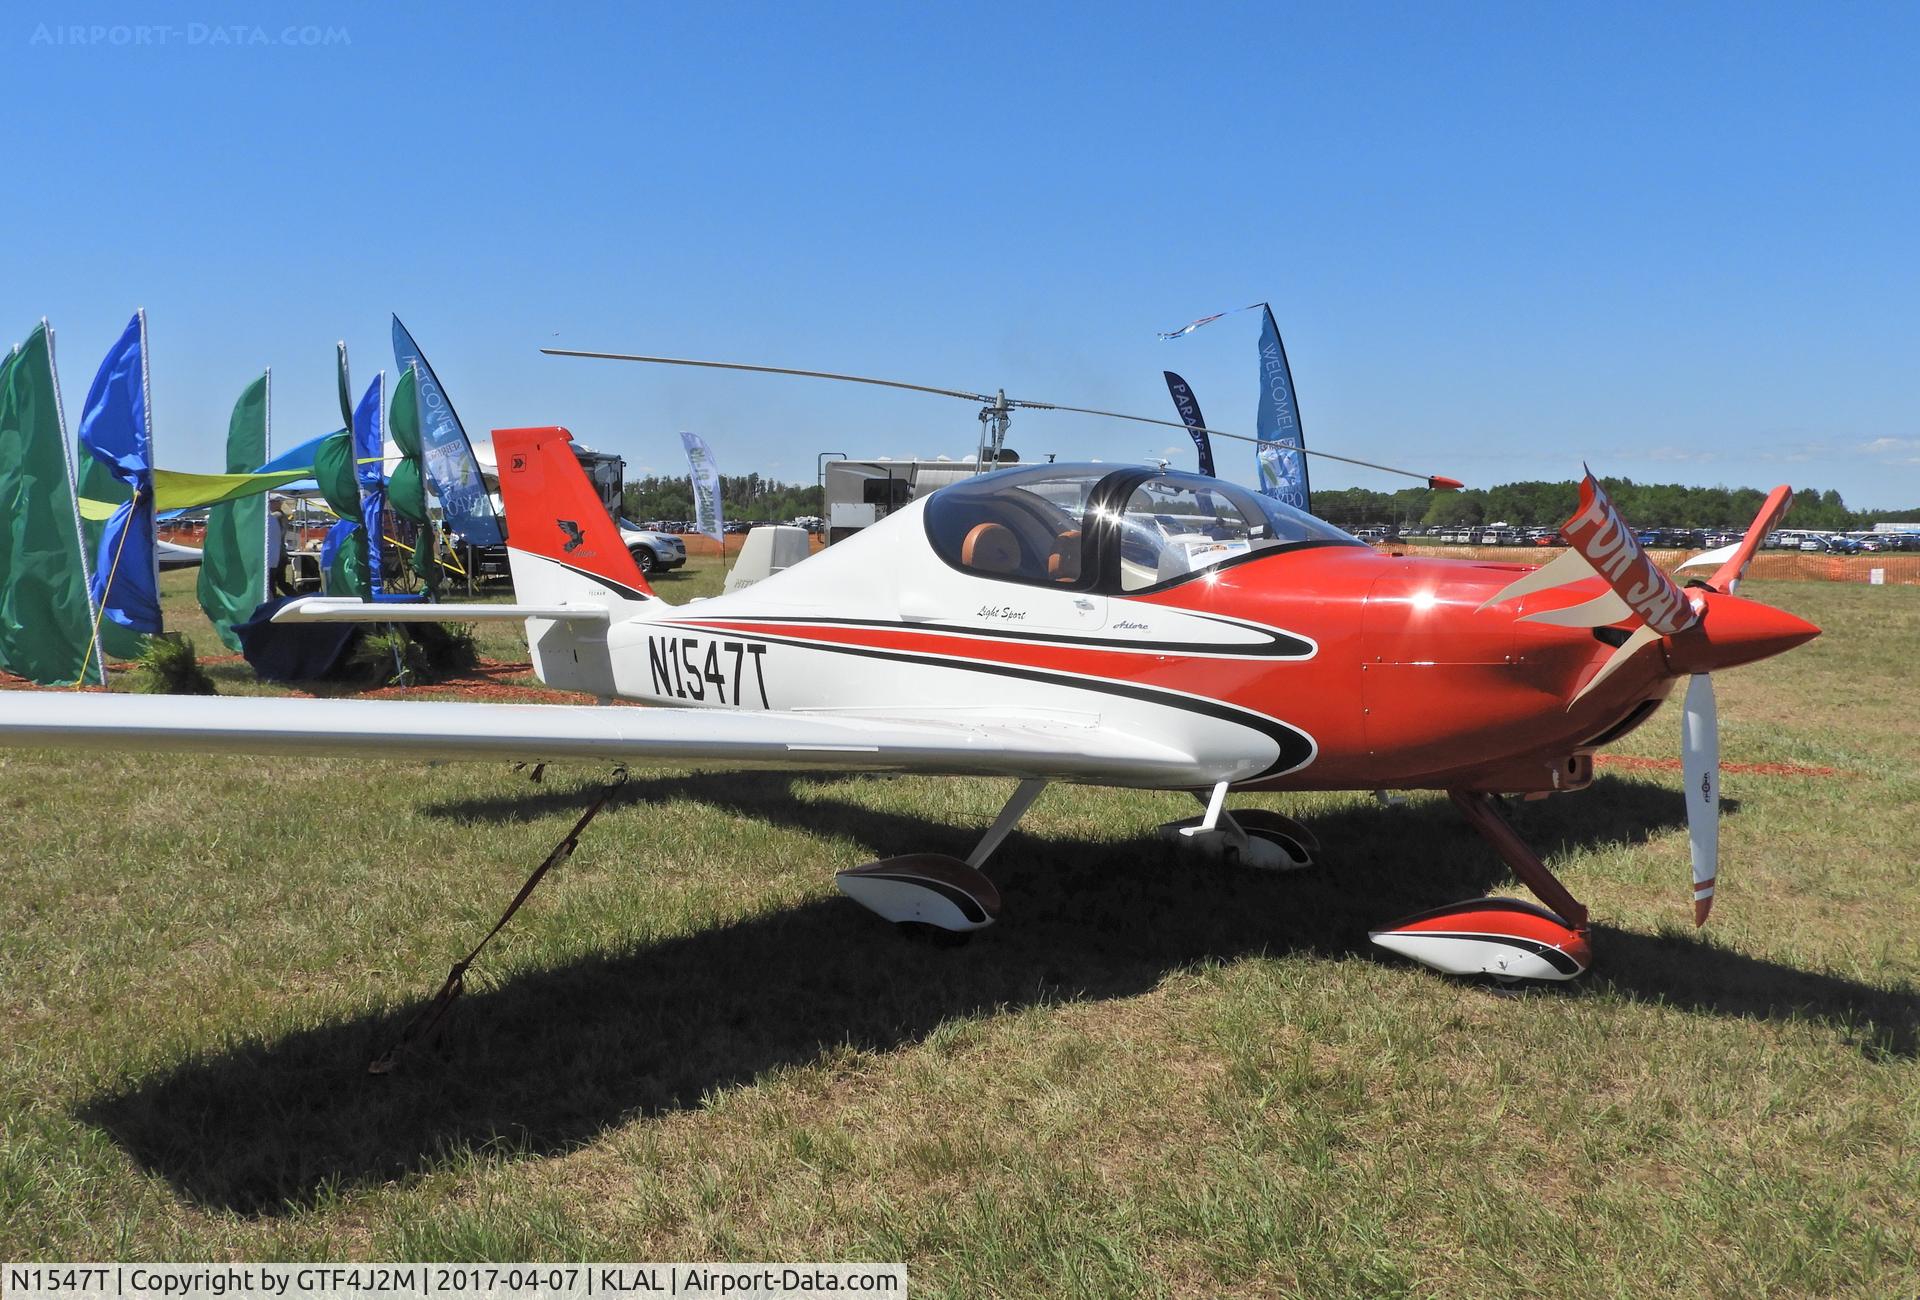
{"x": 653, "y": 552}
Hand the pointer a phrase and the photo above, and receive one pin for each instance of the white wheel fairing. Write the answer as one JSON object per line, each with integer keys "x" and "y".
{"x": 1504, "y": 937}
{"x": 1475, "y": 954}
{"x": 924, "y": 889}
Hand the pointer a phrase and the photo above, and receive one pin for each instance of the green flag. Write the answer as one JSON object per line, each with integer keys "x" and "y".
{"x": 407, "y": 488}
{"x": 333, "y": 470}
{"x": 46, "y": 620}
{"x": 406, "y": 491}
{"x": 348, "y": 576}
{"x": 403, "y": 414}
{"x": 234, "y": 561}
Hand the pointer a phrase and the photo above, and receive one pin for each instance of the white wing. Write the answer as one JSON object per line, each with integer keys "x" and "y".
{"x": 975, "y": 744}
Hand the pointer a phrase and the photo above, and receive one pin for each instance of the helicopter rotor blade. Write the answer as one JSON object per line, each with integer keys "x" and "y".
{"x": 772, "y": 370}
{"x": 1439, "y": 482}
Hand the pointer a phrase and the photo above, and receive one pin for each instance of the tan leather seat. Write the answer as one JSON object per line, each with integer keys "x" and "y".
{"x": 991, "y": 548}
{"x": 1064, "y": 564}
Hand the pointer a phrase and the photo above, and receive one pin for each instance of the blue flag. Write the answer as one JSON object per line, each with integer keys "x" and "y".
{"x": 446, "y": 454}
{"x": 1282, "y": 463}
{"x": 369, "y": 469}
{"x": 116, "y": 429}
{"x": 300, "y": 457}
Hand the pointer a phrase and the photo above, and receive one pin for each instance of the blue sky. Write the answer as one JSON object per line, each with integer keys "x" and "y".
{"x": 1678, "y": 242}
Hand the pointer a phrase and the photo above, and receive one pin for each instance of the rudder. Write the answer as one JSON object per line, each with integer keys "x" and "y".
{"x": 554, "y": 514}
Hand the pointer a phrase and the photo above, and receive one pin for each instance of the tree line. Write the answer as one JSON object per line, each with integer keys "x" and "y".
{"x": 742, "y": 496}
{"x": 1534, "y": 502}
{"x": 1650, "y": 505}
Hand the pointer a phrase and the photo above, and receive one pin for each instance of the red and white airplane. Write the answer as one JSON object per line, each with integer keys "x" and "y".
{"x": 1102, "y": 625}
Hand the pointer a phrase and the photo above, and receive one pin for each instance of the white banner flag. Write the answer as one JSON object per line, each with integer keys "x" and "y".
{"x": 704, "y": 474}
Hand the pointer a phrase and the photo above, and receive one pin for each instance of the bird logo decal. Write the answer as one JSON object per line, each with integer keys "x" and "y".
{"x": 575, "y": 538}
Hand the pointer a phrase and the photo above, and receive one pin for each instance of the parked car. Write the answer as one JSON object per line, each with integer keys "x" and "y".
{"x": 652, "y": 550}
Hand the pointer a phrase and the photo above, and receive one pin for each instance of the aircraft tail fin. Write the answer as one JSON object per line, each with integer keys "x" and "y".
{"x": 561, "y": 542}
{"x": 565, "y": 550}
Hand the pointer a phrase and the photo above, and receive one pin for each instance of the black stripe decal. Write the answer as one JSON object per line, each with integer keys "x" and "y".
{"x": 1279, "y": 645}
{"x": 1296, "y": 747}
{"x": 618, "y": 588}
{"x": 1555, "y": 957}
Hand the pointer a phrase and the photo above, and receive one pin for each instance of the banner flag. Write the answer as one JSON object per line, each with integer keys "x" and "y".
{"x": 46, "y": 616}
{"x": 343, "y": 559}
{"x": 1193, "y": 325}
{"x": 1189, "y": 407}
{"x": 343, "y": 383}
{"x": 234, "y": 562}
{"x": 116, "y": 430}
{"x": 407, "y": 485}
{"x": 369, "y": 447}
{"x": 704, "y": 474}
{"x": 333, "y": 470}
{"x": 1282, "y": 463}
{"x": 300, "y": 457}
{"x": 452, "y": 472}
{"x": 406, "y": 490}
{"x": 176, "y": 491}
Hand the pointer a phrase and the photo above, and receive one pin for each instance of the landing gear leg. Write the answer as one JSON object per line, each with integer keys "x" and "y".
{"x": 1252, "y": 837}
{"x": 932, "y": 894}
{"x": 1009, "y": 817}
{"x": 1484, "y": 815}
{"x": 1502, "y": 937}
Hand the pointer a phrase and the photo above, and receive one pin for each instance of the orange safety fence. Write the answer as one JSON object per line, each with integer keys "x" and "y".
{"x": 1900, "y": 568}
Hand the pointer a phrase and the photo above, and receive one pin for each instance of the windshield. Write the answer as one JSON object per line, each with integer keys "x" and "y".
{"x": 1121, "y": 530}
{"x": 1175, "y": 525}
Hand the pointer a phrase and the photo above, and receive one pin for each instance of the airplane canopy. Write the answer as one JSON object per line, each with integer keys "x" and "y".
{"x": 1098, "y": 528}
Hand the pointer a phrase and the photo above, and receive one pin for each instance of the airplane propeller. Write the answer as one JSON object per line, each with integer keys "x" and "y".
{"x": 1697, "y": 632}
{"x": 1700, "y": 763}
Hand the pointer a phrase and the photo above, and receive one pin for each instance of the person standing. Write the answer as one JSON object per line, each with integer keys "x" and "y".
{"x": 279, "y": 538}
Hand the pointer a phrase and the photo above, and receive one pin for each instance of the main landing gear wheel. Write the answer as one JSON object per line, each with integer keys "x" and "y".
{"x": 932, "y": 896}
{"x": 1505, "y": 938}
{"x": 1247, "y": 837}
{"x": 925, "y": 891}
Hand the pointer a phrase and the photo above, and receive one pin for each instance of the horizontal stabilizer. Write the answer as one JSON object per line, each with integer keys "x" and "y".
{"x": 345, "y": 609}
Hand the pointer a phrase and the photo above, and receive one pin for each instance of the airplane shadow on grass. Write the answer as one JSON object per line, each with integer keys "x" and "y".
{"x": 548, "y": 1059}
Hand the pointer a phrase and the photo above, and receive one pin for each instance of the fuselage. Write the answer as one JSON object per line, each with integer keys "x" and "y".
{"x": 1317, "y": 663}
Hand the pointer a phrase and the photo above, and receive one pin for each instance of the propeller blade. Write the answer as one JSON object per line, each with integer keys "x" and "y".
{"x": 1728, "y": 575}
{"x": 1700, "y": 759}
{"x": 1568, "y": 566}
{"x": 1713, "y": 559}
{"x": 1598, "y": 532}
{"x": 1603, "y": 610}
{"x": 1642, "y": 636}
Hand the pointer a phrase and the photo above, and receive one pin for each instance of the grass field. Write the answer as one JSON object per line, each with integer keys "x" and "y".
{"x": 1153, "y": 1078}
